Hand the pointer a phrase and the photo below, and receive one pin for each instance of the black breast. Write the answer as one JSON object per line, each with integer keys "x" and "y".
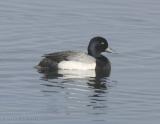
{"x": 103, "y": 64}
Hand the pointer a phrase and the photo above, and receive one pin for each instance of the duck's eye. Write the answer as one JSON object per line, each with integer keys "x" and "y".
{"x": 102, "y": 43}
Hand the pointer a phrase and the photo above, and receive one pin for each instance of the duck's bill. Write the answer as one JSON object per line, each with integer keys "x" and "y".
{"x": 109, "y": 50}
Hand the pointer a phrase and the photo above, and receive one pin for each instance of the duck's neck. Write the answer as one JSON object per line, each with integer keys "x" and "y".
{"x": 94, "y": 54}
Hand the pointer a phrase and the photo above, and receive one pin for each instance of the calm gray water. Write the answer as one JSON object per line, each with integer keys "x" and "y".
{"x": 31, "y": 28}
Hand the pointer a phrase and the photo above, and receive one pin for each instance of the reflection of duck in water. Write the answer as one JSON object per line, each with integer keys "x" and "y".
{"x": 78, "y": 60}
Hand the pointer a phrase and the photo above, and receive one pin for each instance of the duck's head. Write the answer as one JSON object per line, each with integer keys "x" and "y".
{"x": 97, "y": 45}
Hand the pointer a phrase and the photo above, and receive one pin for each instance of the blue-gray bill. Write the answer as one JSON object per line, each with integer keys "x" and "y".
{"x": 109, "y": 50}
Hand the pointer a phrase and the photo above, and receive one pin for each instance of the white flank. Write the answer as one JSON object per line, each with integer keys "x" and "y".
{"x": 76, "y": 65}
{"x": 75, "y": 73}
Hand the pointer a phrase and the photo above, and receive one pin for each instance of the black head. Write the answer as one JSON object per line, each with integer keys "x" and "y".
{"x": 97, "y": 45}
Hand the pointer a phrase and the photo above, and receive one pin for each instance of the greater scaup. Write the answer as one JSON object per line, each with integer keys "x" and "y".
{"x": 78, "y": 60}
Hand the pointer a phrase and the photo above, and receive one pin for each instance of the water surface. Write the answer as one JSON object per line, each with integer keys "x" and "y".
{"x": 29, "y": 29}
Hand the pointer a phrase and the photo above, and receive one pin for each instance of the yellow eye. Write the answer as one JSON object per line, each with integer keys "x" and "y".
{"x": 102, "y": 43}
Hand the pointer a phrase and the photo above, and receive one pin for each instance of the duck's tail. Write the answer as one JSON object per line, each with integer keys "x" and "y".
{"x": 46, "y": 65}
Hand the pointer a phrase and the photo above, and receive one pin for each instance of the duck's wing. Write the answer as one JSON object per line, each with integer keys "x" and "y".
{"x": 60, "y": 56}
{"x": 69, "y": 56}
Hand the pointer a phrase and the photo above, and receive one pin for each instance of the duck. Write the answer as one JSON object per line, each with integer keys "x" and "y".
{"x": 75, "y": 60}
